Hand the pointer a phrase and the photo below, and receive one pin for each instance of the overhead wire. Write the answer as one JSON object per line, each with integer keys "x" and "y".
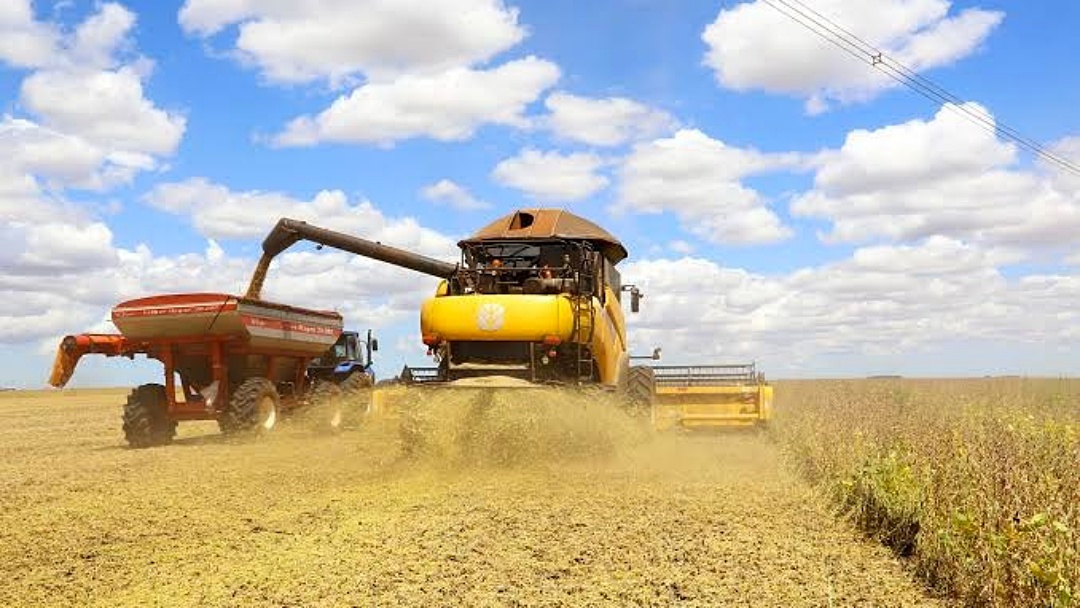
{"x": 859, "y": 48}
{"x": 901, "y": 73}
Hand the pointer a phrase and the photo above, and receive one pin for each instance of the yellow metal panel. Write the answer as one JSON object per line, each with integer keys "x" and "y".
{"x": 712, "y": 406}
{"x": 615, "y": 312}
{"x": 608, "y": 341}
{"x": 497, "y": 317}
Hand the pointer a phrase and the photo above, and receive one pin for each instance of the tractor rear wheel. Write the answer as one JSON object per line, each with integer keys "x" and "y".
{"x": 146, "y": 417}
{"x": 326, "y": 405}
{"x": 253, "y": 408}
{"x": 356, "y": 401}
{"x": 640, "y": 390}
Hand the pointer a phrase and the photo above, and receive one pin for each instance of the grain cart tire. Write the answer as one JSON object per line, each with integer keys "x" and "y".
{"x": 253, "y": 408}
{"x": 640, "y": 390}
{"x": 146, "y": 417}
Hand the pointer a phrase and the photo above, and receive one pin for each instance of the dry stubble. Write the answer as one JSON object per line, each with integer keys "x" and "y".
{"x": 526, "y": 516}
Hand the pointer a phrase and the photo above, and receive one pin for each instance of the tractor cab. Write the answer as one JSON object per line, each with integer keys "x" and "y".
{"x": 348, "y": 356}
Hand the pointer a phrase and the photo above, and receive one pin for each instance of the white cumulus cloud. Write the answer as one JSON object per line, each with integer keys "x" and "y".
{"x": 25, "y": 42}
{"x": 447, "y": 192}
{"x": 608, "y": 121}
{"x": 698, "y": 178}
{"x": 107, "y": 108}
{"x": 752, "y": 46}
{"x": 944, "y": 176}
{"x": 882, "y": 301}
{"x": 301, "y": 41}
{"x": 552, "y": 176}
{"x": 446, "y": 106}
{"x": 218, "y": 212}
{"x": 86, "y": 95}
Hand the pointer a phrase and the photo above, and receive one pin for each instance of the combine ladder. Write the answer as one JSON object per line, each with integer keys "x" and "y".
{"x": 584, "y": 324}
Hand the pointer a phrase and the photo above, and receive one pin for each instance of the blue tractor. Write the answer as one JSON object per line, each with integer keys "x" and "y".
{"x": 347, "y": 364}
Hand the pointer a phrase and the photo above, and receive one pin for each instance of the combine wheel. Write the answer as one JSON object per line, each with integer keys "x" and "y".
{"x": 640, "y": 390}
{"x": 146, "y": 417}
{"x": 253, "y": 408}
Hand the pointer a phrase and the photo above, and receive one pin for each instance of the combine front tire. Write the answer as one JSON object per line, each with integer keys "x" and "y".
{"x": 146, "y": 417}
{"x": 640, "y": 390}
{"x": 253, "y": 408}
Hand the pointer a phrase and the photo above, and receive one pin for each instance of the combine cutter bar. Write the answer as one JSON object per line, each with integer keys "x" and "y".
{"x": 710, "y": 396}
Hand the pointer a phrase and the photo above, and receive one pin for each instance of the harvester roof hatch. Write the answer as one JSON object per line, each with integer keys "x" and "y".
{"x": 549, "y": 223}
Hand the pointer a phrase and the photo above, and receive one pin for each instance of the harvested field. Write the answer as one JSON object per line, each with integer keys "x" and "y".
{"x": 301, "y": 519}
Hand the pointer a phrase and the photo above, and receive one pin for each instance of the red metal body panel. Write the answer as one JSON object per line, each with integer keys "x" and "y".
{"x": 200, "y": 337}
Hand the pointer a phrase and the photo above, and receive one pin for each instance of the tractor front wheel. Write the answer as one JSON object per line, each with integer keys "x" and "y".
{"x": 253, "y": 408}
{"x": 146, "y": 417}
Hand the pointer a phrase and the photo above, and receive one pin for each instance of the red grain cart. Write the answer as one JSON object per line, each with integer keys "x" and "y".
{"x": 237, "y": 360}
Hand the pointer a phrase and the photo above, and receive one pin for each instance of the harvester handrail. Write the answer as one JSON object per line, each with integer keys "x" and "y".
{"x": 706, "y": 375}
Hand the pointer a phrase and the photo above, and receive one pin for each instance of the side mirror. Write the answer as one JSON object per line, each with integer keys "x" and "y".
{"x": 656, "y": 353}
{"x": 374, "y": 345}
{"x": 635, "y": 297}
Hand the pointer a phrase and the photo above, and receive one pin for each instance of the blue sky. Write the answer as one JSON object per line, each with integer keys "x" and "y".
{"x": 781, "y": 201}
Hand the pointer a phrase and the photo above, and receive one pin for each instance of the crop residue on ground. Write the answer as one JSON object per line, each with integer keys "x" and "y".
{"x": 545, "y": 501}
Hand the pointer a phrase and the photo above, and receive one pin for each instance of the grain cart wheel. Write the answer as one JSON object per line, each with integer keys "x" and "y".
{"x": 146, "y": 417}
{"x": 253, "y": 408}
{"x": 640, "y": 390}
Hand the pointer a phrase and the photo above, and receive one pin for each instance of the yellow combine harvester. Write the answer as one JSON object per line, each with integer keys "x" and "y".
{"x": 710, "y": 397}
{"x": 535, "y": 300}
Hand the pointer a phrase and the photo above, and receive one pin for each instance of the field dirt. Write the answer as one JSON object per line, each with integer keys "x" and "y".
{"x": 303, "y": 519}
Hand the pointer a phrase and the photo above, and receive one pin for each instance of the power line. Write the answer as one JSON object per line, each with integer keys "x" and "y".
{"x": 925, "y": 86}
{"x": 859, "y": 48}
